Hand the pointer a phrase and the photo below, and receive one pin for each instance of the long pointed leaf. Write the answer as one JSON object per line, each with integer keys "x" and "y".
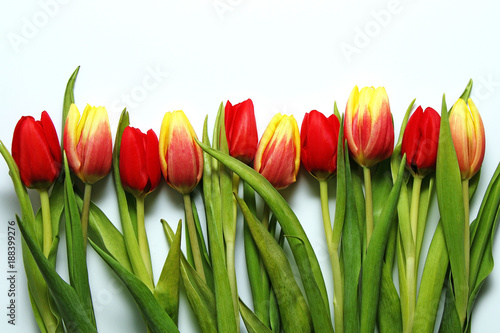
{"x": 451, "y": 209}
{"x": 293, "y": 307}
{"x": 65, "y": 297}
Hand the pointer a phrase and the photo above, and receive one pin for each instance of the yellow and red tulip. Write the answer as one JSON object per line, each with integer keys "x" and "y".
{"x": 319, "y": 138}
{"x": 88, "y": 143}
{"x": 420, "y": 141}
{"x": 278, "y": 153}
{"x": 181, "y": 159}
{"x": 36, "y": 150}
{"x": 139, "y": 161}
{"x": 467, "y": 132}
{"x": 368, "y": 126}
{"x": 241, "y": 130}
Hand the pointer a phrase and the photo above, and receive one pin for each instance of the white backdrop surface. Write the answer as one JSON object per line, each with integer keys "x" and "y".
{"x": 287, "y": 56}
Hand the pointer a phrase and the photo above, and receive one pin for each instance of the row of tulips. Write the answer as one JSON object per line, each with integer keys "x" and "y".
{"x": 374, "y": 225}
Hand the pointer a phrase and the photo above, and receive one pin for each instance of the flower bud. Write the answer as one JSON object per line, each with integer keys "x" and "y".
{"x": 139, "y": 161}
{"x": 368, "y": 126}
{"x": 88, "y": 143}
{"x": 467, "y": 132}
{"x": 420, "y": 141}
{"x": 181, "y": 159}
{"x": 241, "y": 130}
{"x": 36, "y": 151}
{"x": 278, "y": 153}
{"x": 319, "y": 138}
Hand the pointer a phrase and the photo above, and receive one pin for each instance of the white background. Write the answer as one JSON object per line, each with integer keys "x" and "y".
{"x": 288, "y": 56}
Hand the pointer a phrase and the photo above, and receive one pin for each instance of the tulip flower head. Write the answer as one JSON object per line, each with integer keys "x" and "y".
{"x": 278, "y": 153}
{"x": 139, "y": 161}
{"x": 368, "y": 126}
{"x": 420, "y": 141}
{"x": 181, "y": 159}
{"x": 36, "y": 151}
{"x": 241, "y": 130}
{"x": 319, "y": 138}
{"x": 467, "y": 132}
{"x": 88, "y": 143}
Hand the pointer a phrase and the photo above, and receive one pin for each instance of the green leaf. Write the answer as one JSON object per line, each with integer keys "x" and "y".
{"x": 199, "y": 295}
{"x": 252, "y": 322}
{"x": 482, "y": 234}
{"x": 293, "y": 308}
{"x": 351, "y": 251}
{"x": 69, "y": 99}
{"x": 257, "y": 276}
{"x": 226, "y": 320}
{"x": 450, "y": 322}
{"x": 451, "y": 209}
{"x": 68, "y": 303}
{"x": 431, "y": 284}
{"x": 288, "y": 220}
{"x": 156, "y": 317}
{"x": 167, "y": 288}
{"x": 389, "y": 307}
{"x": 372, "y": 264}
{"x": 77, "y": 257}
{"x": 104, "y": 233}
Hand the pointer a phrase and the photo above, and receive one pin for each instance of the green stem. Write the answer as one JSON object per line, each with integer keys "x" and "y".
{"x": 193, "y": 237}
{"x": 142, "y": 237}
{"x": 338, "y": 297}
{"x": 85, "y": 212}
{"x": 368, "y": 204}
{"x": 415, "y": 201}
{"x": 465, "y": 193}
{"x": 46, "y": 222}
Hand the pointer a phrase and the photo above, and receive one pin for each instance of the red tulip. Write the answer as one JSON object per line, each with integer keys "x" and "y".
{"x": 36, "y": 150}
{"x": 319, "y": 138}
{"x": 420, "y": 141}
{"x": 467, "y": 131}
{"x": 241, "y": 130}
{"x": 88, "y": 143}
{"x": 139, "y": 161}
{"x": 278, "y": 154}
{"x": 368, "y": 126}
{"x": 181, "y": 159}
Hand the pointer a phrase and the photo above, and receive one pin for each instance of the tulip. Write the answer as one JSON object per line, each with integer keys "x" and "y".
{"x": 36, "y": 150}
{"x": 369, "y": 132}
{"x": 88, "y": 146}
{"x": 241, "y": 130}
{"x": 467, "y": 132}
{"x": 420, "y": 141}
{"x": 140, "y": 173}
{"x": 278, "y": 153}
{"x": 181, "y": 162}
{"x": 319, "y": 138}
{"x": 319, "y": 146}
{"x": 181, "y": 159}
{"x": 139, "y": 161}
{"x": 368, "y": 126}
{"x": 88, "y": 143}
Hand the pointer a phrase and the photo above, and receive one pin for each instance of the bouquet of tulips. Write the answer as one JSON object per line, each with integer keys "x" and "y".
{"x": 383, "y": 193}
